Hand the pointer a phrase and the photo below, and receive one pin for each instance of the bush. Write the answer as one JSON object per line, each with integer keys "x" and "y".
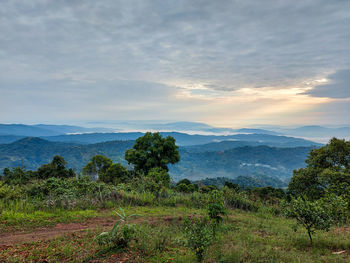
{"x": 70, "y": 193}
{"x": 120, "y": 235}
{"x": 216, "y": 209}
{"x": 199, "y": 236}
{"x": 10, "y": 192}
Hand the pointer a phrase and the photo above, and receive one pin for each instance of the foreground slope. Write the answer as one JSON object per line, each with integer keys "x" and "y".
{"x": 246, "y": 237}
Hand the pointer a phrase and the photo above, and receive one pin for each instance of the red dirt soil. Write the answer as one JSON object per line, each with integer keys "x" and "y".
{"x": 12, "y": 238}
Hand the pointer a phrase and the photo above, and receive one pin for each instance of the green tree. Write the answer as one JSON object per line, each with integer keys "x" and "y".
{"x": 115, "y": 174}
{"x": 57, "y": 168}
{"x": 328, "y": 170}
{"x": 97, "y": 165}
{"x": 152, "y": 150}
{"x": 312, "y": 215}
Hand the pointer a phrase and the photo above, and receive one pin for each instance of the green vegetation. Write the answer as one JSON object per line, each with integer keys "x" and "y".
{"x": 152, "y": 150}
{"x": 186, "y": 222}
{"x": 199, "y": 236}
{"x": 216, "y": 209}
{"x": 327, "y": 171}
{"x": 311, "y": 215}
{"x": 121, "y": 233}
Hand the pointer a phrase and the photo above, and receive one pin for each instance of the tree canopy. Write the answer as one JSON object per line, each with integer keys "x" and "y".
{"x": 327, "y": 171}
{"x": 152, "y": 151}
{"x": 57, "y": 168}
{"x": 115, "y": 174}
{"x": 98, "y": 165}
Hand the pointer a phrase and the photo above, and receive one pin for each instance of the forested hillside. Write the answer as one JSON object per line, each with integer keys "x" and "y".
{"x": 248, "y": 160}
{"x": 33, "y": 152}
{"x": 184, "y": 139}
{"x": 222, "y": 159}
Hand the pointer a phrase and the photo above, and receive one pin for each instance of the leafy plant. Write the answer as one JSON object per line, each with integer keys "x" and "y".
{"x": 216, "y": 208}
{"x": 311, "y": 215}
{"x": 121, "y": 233}
{"x": 199, "y": 236}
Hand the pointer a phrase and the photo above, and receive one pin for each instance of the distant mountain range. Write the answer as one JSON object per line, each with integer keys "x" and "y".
{"x": 248, "y": 160}
{"x": 45, "y": 130}
{"x": 318, "y": 133}
{"x": 313, "y": 133}
{"x": 254, "y": 156}
{"x": 197, "y": 162}
{"x": 182, "y": 139}
{"x": 182, "y": 126}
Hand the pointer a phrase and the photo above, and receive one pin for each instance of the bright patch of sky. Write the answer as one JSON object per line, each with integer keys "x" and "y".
{"x": 227, "y": 63}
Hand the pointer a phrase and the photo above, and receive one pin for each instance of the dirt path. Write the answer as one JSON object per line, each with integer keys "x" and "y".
{"x": 9, "y": 239}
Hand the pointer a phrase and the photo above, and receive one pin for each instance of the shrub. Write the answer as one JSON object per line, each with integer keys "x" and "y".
{"x": 17, "y": 176}
{"x": 158, "y": 179}
{"x": 199, "y": 236}
{"x": 216, "y": 208}
{"x": 10, "y": 192}
{"x": 120, "y": 235}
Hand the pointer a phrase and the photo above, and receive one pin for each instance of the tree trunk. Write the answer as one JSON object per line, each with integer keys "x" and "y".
{"x": 310, "y": 237}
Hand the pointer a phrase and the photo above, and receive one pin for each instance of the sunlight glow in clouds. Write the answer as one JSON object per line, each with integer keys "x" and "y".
{"x": 235, "y": 63}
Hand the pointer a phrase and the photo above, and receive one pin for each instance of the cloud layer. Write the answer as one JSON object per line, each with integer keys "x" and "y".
{"x": 226, "y": 62}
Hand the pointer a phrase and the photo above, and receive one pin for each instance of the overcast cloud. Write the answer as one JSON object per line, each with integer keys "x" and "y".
{"x": 230, "y": 63}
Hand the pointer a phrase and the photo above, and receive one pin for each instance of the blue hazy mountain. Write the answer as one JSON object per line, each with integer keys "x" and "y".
{"x": 318, "y": 131}
{"x": 184, "y": 139}
{"x": 248, "y": 160}
{"x": 180, "y": 126}
{"x": 31, "y": 152}
{"x": 39, "y": 130}
{"x": 10, "y": 138}
{"x": 311, "y": 132}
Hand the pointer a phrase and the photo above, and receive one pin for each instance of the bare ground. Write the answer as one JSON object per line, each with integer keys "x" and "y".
{"x": 12, "y": 238}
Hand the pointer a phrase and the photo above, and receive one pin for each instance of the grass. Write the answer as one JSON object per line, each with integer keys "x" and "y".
{"x": 10, "y": 220}
{"x": 244, "y": 237}
{"x": 15, "y": 220}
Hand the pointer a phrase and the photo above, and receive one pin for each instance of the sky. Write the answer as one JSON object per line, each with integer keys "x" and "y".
{"x": 227, "y": 63}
